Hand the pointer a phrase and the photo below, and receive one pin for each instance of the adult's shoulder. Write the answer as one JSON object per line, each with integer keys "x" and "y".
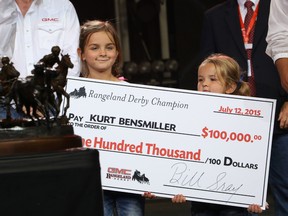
{"x": 220, "y": 8}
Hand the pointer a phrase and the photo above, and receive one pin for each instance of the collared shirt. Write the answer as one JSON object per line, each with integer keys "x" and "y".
{"x": 47, "y": 23}
{"x": 8, "y": 18}
{"x": 277, "y": 36}
{"x": 243, "y": 9}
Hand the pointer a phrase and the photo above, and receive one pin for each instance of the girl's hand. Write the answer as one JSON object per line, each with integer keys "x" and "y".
{"x": 179, "y": 198}
{"x": 253, "y": 208}
{"x": 149, "y": 195}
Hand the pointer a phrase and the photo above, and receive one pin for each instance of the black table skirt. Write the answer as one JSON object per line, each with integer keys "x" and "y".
{"x": 52, "y": 184}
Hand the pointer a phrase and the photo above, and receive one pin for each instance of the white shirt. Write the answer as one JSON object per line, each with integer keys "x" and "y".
{"x": 277, "y": 36}
{"x": 47, "y": 23}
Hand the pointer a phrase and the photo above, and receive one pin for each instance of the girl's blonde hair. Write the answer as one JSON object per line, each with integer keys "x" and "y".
{"x": 93, "y": 26}
{"x": 228, "y": 72}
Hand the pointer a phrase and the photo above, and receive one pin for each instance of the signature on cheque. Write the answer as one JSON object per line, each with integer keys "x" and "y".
{"x": 184, "y": 176}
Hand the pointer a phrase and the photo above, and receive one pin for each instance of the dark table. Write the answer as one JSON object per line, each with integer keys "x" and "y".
{"x": 53, "y": 183}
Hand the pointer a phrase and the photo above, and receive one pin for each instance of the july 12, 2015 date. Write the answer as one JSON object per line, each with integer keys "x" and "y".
{"x": 239, "y": 111}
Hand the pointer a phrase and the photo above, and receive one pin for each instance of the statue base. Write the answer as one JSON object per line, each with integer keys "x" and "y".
{"x": 26, "y": 138}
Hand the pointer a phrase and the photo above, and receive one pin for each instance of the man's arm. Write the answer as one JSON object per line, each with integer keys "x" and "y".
{"x": 282, "y": 67}
{"x": 71, "y": 38}
{"x": 8, "y": 18}
{"x": 277, "y": 38}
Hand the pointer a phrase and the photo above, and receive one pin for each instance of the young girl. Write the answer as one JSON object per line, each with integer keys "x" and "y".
{"x": 220, "y": 74}
{"x": 101, "y": 58}
{"x": 99, "y": 51}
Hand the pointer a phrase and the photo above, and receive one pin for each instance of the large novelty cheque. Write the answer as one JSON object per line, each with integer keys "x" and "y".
{"x": 209, "y": 147}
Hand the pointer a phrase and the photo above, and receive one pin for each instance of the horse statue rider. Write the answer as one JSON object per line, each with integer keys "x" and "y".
{"x": 51, "y": 59}
{"x": 8, "y": 75}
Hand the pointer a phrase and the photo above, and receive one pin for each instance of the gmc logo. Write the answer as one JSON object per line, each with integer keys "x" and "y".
{"x": 119, "y": 171}
{"x": 50, "y": 19}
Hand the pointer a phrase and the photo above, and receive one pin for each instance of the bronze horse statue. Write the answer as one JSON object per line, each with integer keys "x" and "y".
{"x": 36, "y": 93}
{"x": 8, "y": 77}
{"x": 59, "y": 82}
{"x": 29, "y": 93}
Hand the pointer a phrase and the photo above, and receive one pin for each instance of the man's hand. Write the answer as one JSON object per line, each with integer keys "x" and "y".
{"x": 283, "y": 116}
